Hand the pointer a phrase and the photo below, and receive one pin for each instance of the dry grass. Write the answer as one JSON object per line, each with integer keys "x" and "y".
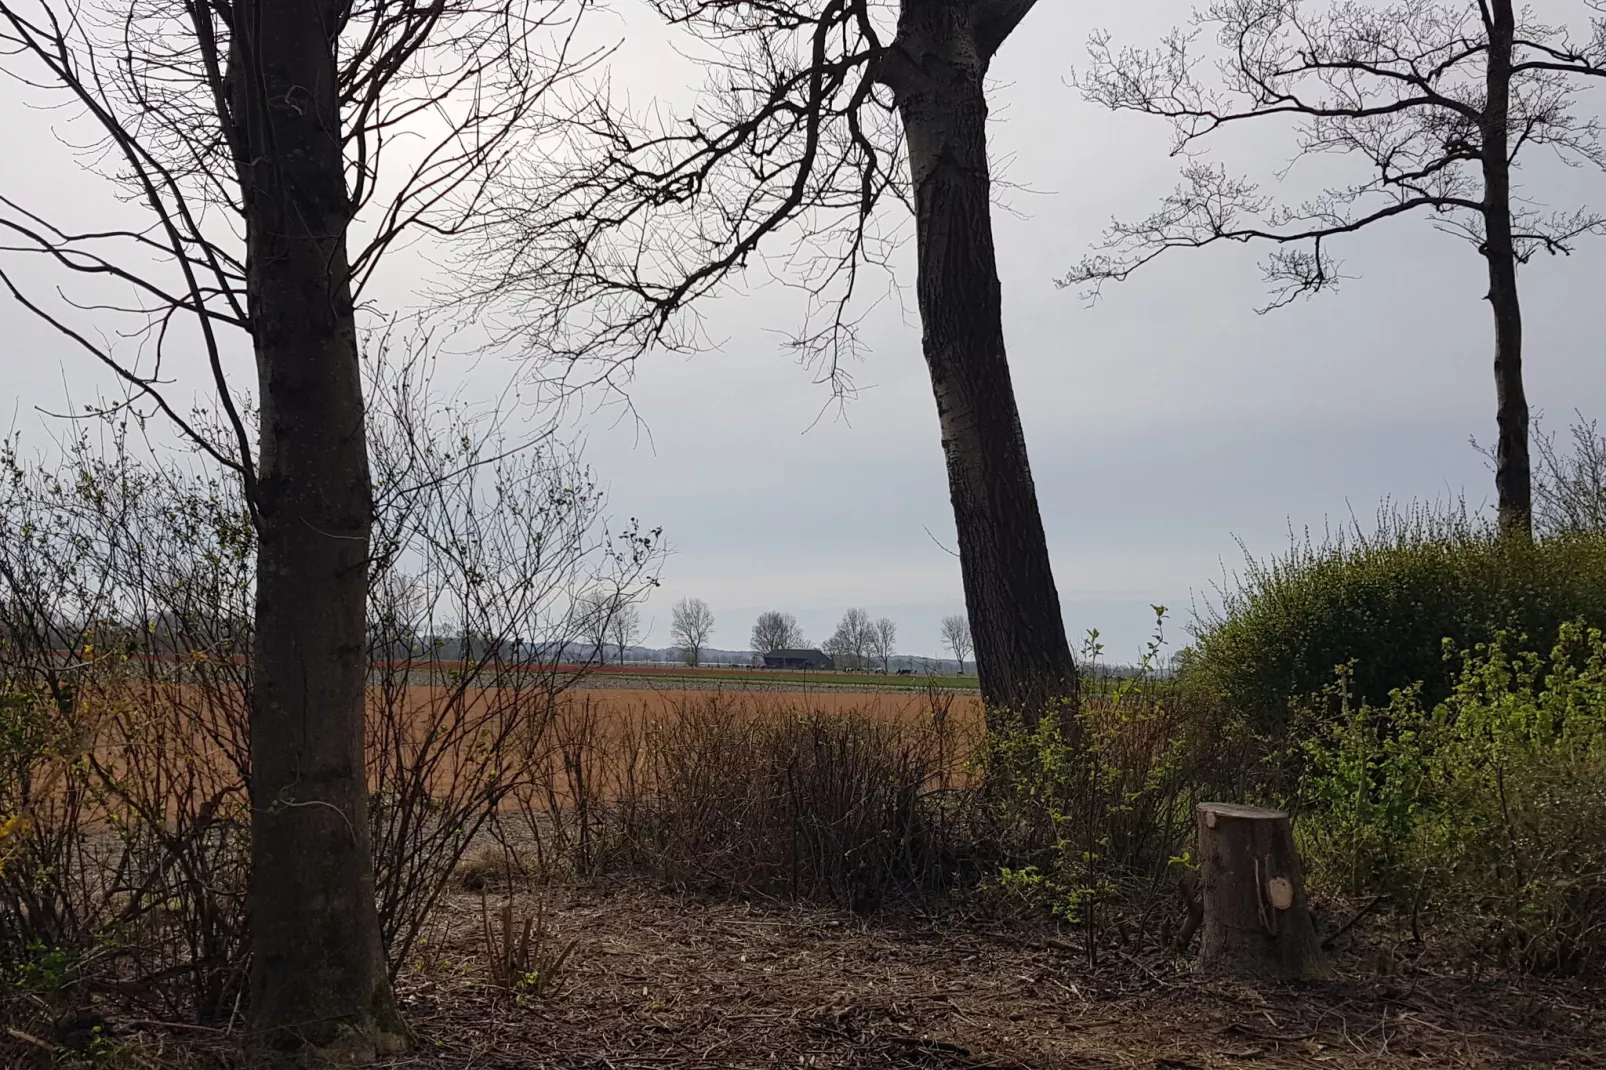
{"x": 613, "y": 724}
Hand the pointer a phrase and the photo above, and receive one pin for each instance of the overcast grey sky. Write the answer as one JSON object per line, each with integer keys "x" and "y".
{"x": 1164, "y": 422}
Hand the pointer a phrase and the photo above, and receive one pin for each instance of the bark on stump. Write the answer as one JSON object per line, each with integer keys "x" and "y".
{"x": 1256, "y": 924}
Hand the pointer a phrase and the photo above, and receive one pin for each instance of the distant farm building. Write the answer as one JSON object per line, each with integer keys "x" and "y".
{"x": 798, "y": 659}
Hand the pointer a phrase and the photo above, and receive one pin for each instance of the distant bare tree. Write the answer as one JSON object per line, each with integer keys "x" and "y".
{"x": 822, "y": 122}
{"x": 626, "y": 628}
{"x": 594, "y": 614}
{"x": 774, "y": 631}
{"x": 883, "y": 638}
{"x": 1437, "y": 98}
{"x": 690, "y": 624}
{"x": 956, "y": 637}
{"x": 606, "y": 617}
{"x": 851, "y": 640}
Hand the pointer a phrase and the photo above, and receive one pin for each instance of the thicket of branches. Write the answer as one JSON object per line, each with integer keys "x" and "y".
{"x": 126, "y": 582}
{"x": 435, "y": 103}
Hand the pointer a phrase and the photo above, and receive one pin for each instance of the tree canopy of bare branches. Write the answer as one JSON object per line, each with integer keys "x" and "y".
{"x": 626, "y": 628}
{"x": 956, "y": 637}
{"x": 775, "y": 630}
{"x": 1437, "y": 99}
{"x": 850, "y": 643}
{"x": 691, "y": 622}
{"x": 883, "y": 641}
{"x": 609, "y": 616}
{"x": 822, "y": 123}
{"x": 158, "y": 93}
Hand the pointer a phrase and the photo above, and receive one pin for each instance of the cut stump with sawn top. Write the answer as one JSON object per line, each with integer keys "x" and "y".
{"x": 1256, "y": 924}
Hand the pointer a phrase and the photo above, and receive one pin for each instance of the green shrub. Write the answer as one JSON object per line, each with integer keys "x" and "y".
{"x": 1087, "y": 809}
{"x": 1386, "y": 602}
{"x": 1091, "y": 809}
{"x": 1487, "y": 810}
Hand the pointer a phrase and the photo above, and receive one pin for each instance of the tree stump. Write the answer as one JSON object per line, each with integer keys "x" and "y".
{"x": 1256, "y": 925}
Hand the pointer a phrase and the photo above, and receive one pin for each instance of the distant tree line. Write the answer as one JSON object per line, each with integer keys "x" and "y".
{"x": 859, "y": 641}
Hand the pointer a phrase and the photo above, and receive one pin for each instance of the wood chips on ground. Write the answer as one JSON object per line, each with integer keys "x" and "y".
{"x": 666, "y": 981}
{"x": 669, "y": 981}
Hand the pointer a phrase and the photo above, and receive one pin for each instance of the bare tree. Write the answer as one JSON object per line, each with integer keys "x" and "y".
{"x": 821, "y": 116}
{"x": 956, "y": 637}
{"x": 1438, "y": 98}
{"x": 690, "y": 624}
{"x": 883, "y": 640}
{"x": 594, "y": 612}
{"x": 626, "y": 628}
{"x": 852, "y": 638}
{"x": 598, "y": 614}
{"x": 250, "y": 134}
{"x": 775, "y": 630}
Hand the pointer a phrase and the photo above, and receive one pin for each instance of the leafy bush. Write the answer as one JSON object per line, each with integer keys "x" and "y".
{"x": 1091, "y": 810}
{"x": 1487, "y": 809}
{"x": 1386, "y": 602}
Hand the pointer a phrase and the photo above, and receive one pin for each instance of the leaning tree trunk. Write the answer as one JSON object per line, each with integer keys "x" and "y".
{"x": 318, "y": 975}
{"x": 1255, "y": 922}
{"x": 1513, "y": 473}
{"x": 936, "y": 67}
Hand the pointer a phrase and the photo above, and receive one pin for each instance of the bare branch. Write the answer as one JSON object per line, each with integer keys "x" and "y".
{"x": 152, "y": 79}
{"x": 602, "y": 243}
{"x": 1402, "y": 86}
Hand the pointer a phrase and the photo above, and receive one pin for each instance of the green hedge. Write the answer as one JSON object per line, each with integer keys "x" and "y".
{"x": 1386, "y": 602}
{"x": 1486, "y": 813}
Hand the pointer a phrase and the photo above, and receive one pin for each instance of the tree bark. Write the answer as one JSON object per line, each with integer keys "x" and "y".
{"x": 318, "y": 975}
{"x": 1255, "y": 921}
{"x": 1513, "y": 472}
{"x": 936, "y": 67}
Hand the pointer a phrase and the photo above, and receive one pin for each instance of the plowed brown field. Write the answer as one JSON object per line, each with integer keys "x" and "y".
{"x": 893, "y": 706}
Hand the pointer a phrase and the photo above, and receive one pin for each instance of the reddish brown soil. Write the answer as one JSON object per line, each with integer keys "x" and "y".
{"x": 165, "y": 739}
{"x": 900, "y": 706}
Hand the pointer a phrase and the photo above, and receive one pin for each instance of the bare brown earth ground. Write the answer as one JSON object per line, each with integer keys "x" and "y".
{"x": 892, "y": 705}
{"x": 664, "y": 981}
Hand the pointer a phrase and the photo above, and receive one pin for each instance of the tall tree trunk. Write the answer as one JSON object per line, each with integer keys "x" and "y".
{"x": 318, "y": 975}
{"x": 1513, "y": 473}
{"x": 936, "y": 67}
